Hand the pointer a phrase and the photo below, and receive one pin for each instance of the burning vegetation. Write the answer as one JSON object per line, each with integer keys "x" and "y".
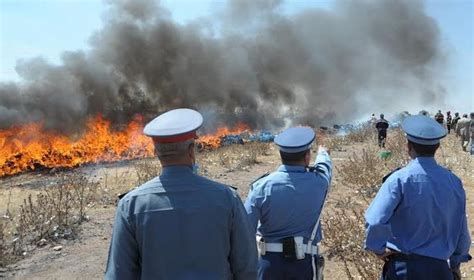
{"x": 30, "y": 146}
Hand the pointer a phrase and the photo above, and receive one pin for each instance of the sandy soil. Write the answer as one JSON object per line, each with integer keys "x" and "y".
{"x": 85, "y": 257}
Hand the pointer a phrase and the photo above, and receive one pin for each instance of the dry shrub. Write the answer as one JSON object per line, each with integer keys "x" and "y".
{"x": 364, "y": 133}
{"x": 116, "y": 181}
{"x": 147, "y": 169}
{"x": 345, "y": 226}
{"x": 397, "y": 145}
{"x": 54, "y": 213}
{"x": 335, "y": 143}
{"x": 363, "y": 173}
{"x": 344, "y": 239}
{"x": 4, "y": 256}
{"x": 234, "y": 157}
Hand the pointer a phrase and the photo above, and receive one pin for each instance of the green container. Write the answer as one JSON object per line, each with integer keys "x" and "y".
{"x": 385, "y": 155}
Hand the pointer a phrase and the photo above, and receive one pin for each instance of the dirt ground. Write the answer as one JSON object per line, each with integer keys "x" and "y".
{"x": 85, "y": 257}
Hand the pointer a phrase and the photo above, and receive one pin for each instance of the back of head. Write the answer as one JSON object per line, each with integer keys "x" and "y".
{"x": 382, "y": 116}
{"x": 294, "y": 144}
{"x": 472, "y": 115}
{"x": 423, "y": 134}
{"x": 173, "y": 134}
{"x": 424, "y": 150}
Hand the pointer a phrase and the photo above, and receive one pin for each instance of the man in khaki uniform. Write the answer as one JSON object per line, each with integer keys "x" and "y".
{"x": 462, "y": 130}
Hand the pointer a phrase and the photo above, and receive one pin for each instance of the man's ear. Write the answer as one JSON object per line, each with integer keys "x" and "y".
{"x": 307, "y": 157}
{"x": 410, "y": 150}
{"x": 192, "y": 151}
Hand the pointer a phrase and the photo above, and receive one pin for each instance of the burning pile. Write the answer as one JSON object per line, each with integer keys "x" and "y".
{"x": 222, "y": 136}
{"x": 29, "y": 147}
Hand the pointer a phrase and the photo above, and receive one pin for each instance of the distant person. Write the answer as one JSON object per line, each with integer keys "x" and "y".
{"x": 454, "y": 123}
{"x": 373, "y": 119}
{"x": 462, "y": 129}
{"x": 448, "y": 121}
{"x": 424, "y": 113}
{"x": 417, "y": 221}
{"x": 382, "y": 125}
{"x": 180, "y": 225}
{"x": 439, "y": 117}
{"x": 284, "y": 209}
{"x": 471, "y": 133}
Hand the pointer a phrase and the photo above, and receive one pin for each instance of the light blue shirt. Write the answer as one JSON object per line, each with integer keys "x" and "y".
{"x": 288, "y": 201}
{"x": 181, "y": 226}
{"x": 420, "y": 209}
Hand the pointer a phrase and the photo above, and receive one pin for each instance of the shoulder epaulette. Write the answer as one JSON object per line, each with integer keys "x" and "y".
{"x": 120, "y": 196}
{"x": 391, "y": 172}
{"x": 263, "y": 176}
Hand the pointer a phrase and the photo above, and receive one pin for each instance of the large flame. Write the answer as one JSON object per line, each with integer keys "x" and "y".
{"x": 29, "y": 146}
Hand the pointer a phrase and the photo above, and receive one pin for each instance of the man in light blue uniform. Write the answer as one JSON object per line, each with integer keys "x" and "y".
{"x": 286, "y": 205}
{"x": 180, "y": 226}
{"x": 417, "y": 221}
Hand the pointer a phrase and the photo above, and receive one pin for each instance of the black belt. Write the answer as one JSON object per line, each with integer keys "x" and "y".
{"x": 406, "y": 257}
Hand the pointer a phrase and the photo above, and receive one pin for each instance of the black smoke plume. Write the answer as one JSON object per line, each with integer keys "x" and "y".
{"x": 250, "y": 62}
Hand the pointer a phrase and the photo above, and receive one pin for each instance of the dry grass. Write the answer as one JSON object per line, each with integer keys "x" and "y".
{"x": 361, "y": 174}
{"x": 4, "y": 256}
{"x": 363, "y": 134}
{"x": 54, "y": 213}
{"x": 147, "y": 169}
{"x": 336, "y": 143}
{"x": 233, "y": 157}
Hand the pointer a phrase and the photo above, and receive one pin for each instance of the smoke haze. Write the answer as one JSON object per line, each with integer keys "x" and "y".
{"x": 250, "y": 62}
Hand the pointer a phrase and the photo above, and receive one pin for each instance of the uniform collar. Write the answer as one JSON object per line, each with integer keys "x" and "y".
{"x": 176, "y": 169}
{"x": 291, "y": 168}
{"x": 426, "y": 160}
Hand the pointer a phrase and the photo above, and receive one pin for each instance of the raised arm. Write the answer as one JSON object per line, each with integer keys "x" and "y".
{"x": 323, "y": 164}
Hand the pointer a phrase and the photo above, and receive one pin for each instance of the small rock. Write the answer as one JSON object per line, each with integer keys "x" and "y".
{"x": 58, "y": 248}
{"x": 42, "y": 243}
{"x": 105, "y": 237}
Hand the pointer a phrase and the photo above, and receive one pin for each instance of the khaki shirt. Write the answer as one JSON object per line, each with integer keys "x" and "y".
{"x": 462, "y": 127}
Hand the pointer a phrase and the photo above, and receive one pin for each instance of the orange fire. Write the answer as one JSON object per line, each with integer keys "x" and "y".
{"x": 28, "y": 147}
{"x": 214, "y": 141}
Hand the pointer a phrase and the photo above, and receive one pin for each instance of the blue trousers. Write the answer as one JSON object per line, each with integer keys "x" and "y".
{"x": 273, "y": 266}
{"x": 415, "y": 267}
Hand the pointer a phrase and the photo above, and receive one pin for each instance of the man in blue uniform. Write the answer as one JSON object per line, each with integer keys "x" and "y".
{"x": 417, "y": 222}
{"x": 180, "y": 225}
{"x": 288, "y": 204}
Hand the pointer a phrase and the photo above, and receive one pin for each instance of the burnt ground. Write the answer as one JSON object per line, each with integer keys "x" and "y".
{"x": 85, "y": 257}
